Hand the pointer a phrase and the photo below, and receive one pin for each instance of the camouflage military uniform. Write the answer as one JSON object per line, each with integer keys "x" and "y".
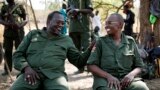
{"x": 11, "y": 34}
{"x": 79, "y": 27}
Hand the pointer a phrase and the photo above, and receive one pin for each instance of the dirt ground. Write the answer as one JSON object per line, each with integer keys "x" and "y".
{"x": 76, "y": 81}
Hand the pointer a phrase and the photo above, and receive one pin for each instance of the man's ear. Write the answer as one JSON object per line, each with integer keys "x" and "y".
{"x": 120, "y": 25}
{"x": 48, "y": 23}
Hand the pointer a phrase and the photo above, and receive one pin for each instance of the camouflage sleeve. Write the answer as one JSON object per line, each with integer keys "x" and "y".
{"x": 22, "y": 12}
{"x": 3, "y": 12}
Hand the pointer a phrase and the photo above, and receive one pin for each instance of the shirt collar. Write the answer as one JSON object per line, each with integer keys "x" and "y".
{"x": 124, "y": 39}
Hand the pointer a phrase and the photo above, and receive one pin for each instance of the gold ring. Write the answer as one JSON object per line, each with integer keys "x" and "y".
{"x": 28, "y": 76}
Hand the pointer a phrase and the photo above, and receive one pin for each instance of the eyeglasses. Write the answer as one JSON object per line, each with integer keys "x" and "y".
{"x": 111, "y": 22}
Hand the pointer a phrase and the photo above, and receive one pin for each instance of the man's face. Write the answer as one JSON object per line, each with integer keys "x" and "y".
{"x": 55, "y": 24}
{"x": 112, "y": 25}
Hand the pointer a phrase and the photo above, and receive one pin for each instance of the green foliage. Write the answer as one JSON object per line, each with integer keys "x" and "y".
{"x": 106, "y": 6}
{"x": 54, "y": 6}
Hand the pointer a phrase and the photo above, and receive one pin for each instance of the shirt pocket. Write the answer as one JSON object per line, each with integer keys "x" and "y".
{"x": 36, "y": 45}
{"x": 127, "y": 58}
{"x": 107, "y": 59}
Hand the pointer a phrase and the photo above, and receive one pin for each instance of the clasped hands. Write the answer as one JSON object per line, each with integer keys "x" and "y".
{"x": 119, "y": 85}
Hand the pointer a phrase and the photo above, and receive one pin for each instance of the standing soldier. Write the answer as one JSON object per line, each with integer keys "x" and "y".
{"x": 12, "y": 17}
{"x": 79, "y": 27}
{"x": 129, "y": 21}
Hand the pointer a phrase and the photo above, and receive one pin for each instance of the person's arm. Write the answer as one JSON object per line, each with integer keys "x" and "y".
{"x": 88, "y": 7}
{"x": 130, "y": 18}
{"x": 4, "y": 22}
{"x": 112, "y": 81}
{"x": 97, "y": 71}
{"x": 22, "y": 14}
{"x": 76, "y": 57}
{"x": 19, "y": 57}
{"x": 87, "y": 10}
{"x": 2, "y": 16}
{"x": 130, "y": 76}
{"x": 94, "y": 64}
{"x": 138, "y": 62}
{"x": 138, "y": 65}
{"x": 20, "y": 60}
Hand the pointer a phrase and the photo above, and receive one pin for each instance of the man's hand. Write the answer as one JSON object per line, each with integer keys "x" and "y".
{"x": 30, "y": 75}
{"x": 23, "y": 24}
{"x": 73, "y": 12}
{"x": 126, "y": 81}
{"x": 113, "y": 82}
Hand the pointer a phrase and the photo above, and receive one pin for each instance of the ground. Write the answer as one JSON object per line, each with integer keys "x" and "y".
{"x": 76, "y": 81}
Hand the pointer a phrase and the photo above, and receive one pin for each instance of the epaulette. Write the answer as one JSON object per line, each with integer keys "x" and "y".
{"x": 129, "y": 37}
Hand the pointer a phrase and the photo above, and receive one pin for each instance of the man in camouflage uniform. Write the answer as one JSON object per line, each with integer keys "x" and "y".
{"x": 12, "y": 17}
{"x": 79, "y": 26}
{"x": 115, "y": 61}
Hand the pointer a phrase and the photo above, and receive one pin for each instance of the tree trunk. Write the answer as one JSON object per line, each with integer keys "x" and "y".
{"x": 145, "y": 26}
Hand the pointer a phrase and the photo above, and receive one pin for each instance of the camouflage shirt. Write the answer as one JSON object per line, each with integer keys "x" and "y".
{"x": 12, "y": 14}
{"x": 81, "y": 23}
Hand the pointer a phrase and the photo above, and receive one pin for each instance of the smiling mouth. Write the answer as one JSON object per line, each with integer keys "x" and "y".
{"x": 59, "y": 29}
{"x": 108, "y": 30}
